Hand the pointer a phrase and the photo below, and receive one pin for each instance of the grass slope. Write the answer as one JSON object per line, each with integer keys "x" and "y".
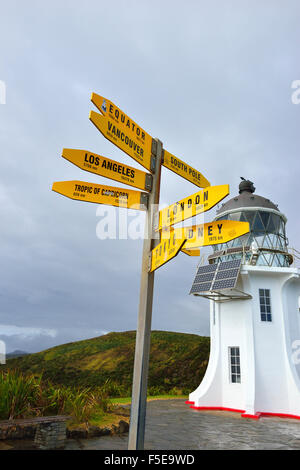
{"x": 177, "y": 362}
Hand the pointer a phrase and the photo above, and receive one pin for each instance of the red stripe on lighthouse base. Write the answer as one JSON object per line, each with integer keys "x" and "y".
{"x": 243, "y": 413}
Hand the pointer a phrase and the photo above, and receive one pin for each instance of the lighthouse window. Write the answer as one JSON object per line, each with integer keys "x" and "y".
{"x": 265, "y": 305}
{"x": 235, "y": 368}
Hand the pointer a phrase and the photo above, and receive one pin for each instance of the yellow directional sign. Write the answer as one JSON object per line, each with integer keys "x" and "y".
{"x": 165, "y": 251}
{"x": 184, "y": 170}
{"x": 103, "y": 166}
{"x": 190, "y": 206}
{"x": 122, "y": 131}
{"x": 99, "y": 194}
{"x": 211, "y": 233}
{"x": 191, "y": 252}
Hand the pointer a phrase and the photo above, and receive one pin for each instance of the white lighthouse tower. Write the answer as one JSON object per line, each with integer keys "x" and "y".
{"x": 254, "y": 364}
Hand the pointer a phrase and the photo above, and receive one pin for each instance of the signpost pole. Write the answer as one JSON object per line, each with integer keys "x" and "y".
{"x": 143, "y": 334}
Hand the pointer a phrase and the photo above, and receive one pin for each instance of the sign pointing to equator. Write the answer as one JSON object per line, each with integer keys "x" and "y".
{"x": 122, "y": 131}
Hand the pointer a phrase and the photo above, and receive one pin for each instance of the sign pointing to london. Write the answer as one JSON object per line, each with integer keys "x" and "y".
{"x": 184, "y": 170}
{"x": 191, "y": 206}
{"x": 99, "y": 194}
{"x": 103, "y": 166}
{"x": 122, "y": 131}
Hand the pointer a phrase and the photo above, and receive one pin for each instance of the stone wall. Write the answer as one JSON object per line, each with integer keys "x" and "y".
{"x": 48, "y": 432}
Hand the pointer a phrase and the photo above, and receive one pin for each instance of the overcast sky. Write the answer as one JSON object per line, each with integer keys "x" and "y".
{"x": 211, "y": 79}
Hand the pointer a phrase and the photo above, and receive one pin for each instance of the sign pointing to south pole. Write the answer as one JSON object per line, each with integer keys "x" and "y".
{"x": 99, "y": 194}
{"x": 122, "y": 131}
{"x": 103, "y": 166}
{"x": 193, "y": 205}
{"x": 184, "y": 170}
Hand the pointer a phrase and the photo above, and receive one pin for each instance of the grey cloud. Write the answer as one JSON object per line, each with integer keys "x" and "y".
{"x": 211, "y": 80}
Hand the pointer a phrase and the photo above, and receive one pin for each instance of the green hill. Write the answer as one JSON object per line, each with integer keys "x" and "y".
{"x": 177, "y": 362}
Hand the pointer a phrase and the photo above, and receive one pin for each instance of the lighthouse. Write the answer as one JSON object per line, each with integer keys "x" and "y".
{"x": 254, "y": 292}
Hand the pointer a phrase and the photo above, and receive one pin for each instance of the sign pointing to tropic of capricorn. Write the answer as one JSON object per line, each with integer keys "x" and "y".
{"x": 99, "y": 194}
{"x": 188, "y": 238}
{"x": 191, "y": 206}
{"x": 122, "y": 131}
{"x": 103, "y": 166}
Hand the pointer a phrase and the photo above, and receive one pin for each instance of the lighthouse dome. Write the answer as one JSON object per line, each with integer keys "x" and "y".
{"x": 266, "y": 243}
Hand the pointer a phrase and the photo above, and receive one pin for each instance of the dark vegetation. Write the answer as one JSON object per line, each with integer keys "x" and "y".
{"x": 177, "y": 363}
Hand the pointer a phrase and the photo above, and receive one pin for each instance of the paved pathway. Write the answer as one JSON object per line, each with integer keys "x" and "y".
{"x": 172, "y": 425}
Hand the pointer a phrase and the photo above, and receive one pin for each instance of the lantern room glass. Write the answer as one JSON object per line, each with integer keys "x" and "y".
{"x": 267, "y": 232}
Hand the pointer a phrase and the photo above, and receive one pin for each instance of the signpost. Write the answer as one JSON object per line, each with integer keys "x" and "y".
{"x": 143, "y": 334}
{"x": 193, "y": 205}
{"x": 103, "y": 166}
{"x": 159, "y": 247}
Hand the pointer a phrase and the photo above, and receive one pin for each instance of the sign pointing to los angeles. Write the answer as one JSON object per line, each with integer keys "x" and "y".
{"x": 103, "y": 166}
{"x": 183, "y": 169}
{"x": 122, "y": 131}
{"x": 193, "y": 205}
{"x": 99, "y": 194}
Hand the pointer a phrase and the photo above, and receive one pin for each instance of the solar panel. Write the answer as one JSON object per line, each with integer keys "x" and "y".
{"x": 230, "y": 264}
{"x": 204, "y": 277}
{"x": 216, "y": 276}
{"x": 224, "y": 284}
{"x": 203, "y": 287}
{"x": 226, "y": 274}
{"x": 208, "y": 268}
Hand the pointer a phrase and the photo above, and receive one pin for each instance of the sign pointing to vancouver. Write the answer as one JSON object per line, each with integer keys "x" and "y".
{"x": 184, "y": 170}
{"x": 191, "y": 206}
{"x": 103, "y": 166}
{"x": 99, "y": 194}
{"x": 122, "y": 131}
